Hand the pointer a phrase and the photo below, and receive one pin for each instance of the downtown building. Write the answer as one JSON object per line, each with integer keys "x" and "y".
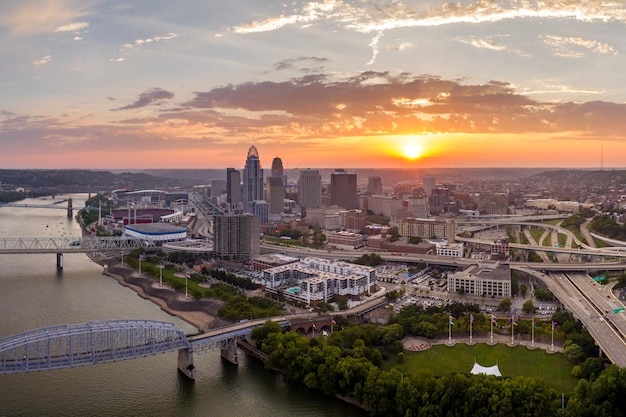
{"x": 252, "y": 180}
{"x": 487, "y": 279}
{"x": 428, "y": 228}
{"x": 343, "y": 189}
{"x": 234, "y": 192}
{"x": 310, "y": 189}
{"x": 236, "y": 237}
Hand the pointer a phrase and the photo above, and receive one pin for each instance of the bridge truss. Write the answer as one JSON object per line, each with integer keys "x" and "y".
{"x": 89, "y": 343}
{"x": 71, "y": 244}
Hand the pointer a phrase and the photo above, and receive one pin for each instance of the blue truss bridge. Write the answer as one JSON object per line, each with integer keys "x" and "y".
{"x": 96, "y": 342}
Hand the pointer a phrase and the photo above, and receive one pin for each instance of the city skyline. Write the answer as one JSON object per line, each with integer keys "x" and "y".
{"x": 333, "y": 83}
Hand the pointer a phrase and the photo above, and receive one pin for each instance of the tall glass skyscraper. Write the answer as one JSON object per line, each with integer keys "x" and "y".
{"x": 252, "y": 179}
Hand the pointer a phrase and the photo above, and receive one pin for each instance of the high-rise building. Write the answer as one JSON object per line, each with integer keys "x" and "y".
{"x": 277, "y": 167}
{"x": 374, "y": 185}
{"x": 236, "y": 236}
{"x": 428, "y": 183}
{"x": 343, "y": 189}
{"x": 275, "y": 194}
{"x": 260, "y": 208}
{"x": 234, "y": 193}
{"x": 218, "y": 187}
{"x": 310, "y": 188}
{"x": 252, "y": 179}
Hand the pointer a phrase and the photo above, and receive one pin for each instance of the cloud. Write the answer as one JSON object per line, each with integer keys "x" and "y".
{"x": 575, "y": 47}
{"x": 485, "y": 43}
{"x": 402, "y": 46}
{"x": 293, "y": 62}
{"x": 73, "y": 27}
{"x": 41, "y": 16}
{"x": 380, "y": 103}
{"x": 156, "y": 96}
{"x": 42, "y": 61}
{"x": 374, "y": 17}
{"x": 158, "y": 38}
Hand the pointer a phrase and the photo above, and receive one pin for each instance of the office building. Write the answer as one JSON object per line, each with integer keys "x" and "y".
{"x": 234, "y": 192}
{"x": 485, "y": 279}
{"x": 236, "y": 236}
{"x": 343, "y": 189}
{"x": 428, "y": 184}
{"x": 428, "y": 228}
{"x": 310, "y": 188}
{"x": 275, "y": 195}
{"x": 374, "y": 185}
{"x": 252, "y": 179}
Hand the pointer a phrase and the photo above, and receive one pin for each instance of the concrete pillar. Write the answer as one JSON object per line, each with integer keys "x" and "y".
{"x": 59, "y": 260}
{"x": 69, "y": 208}
{"x": 229, "y": 351}
{"x": 185, "y": 363}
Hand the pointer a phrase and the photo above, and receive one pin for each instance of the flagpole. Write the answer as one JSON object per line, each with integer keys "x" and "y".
{"x": 471, "y": 322}
{"x": 512, "y": 329}
{"x": 450, "y": 329}
{"x": 532, "y": 328}
{"x": 492, "y": 317}
{"x": 552, "y": 344}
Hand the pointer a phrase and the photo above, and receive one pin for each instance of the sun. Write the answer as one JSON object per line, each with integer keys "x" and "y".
{"x": 412, "y": 151}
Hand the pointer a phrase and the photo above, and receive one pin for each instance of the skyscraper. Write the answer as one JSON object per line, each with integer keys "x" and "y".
{"x": 343, "y": 189}
{"x": 275, "y": 194}
{"x": 237, "y": 236}
{"x": 277, "y": 167}
{"x": 234, "y": 195}
{"x": 374, "y": 185}
{"x": 428, "y": 183}
{"x": 252, "y": 179}
{"x": 310, "y": 188}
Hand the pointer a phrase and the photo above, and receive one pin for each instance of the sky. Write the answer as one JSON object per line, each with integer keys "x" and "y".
{"x": 133, "y": 84}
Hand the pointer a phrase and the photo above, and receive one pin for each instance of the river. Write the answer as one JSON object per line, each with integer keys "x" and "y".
{"x": 34, "y": 294}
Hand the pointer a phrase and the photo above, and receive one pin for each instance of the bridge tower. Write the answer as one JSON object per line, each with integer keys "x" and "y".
{"x": 69, "y": 208}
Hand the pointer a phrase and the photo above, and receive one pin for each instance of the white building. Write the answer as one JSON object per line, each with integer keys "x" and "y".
{"x": 315, "y": 280}
{"x": 485, "y": 279}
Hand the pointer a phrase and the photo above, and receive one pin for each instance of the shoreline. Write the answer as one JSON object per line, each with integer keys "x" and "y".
{"x": 201, "y": 314}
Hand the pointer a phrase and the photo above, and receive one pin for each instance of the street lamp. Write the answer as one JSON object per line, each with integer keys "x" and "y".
{"x": 161, "y": 275}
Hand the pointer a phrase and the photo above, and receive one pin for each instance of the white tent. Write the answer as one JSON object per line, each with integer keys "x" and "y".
{"x": 487, "y": 370}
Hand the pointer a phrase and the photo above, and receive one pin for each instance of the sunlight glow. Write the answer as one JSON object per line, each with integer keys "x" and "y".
{"x": 412, "y": 151}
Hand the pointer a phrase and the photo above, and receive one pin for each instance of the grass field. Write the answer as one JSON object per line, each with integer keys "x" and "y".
{"x": 555, "y": 369}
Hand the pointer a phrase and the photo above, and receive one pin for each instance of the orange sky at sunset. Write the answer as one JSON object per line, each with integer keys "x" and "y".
{"x": 326, "y": 84}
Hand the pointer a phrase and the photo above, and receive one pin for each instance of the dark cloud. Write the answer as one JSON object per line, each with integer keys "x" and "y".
{"x": 156, "y": 96}
{"x": 292, "y": 63}
{"x": 384, "y": 103}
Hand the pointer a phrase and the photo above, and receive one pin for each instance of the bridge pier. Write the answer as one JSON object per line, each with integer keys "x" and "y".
{"x": 229, "y": 350}
{"x": 59, "y": 260}
{"x": 185, "y": 363}
{"x": 69, "y": 208}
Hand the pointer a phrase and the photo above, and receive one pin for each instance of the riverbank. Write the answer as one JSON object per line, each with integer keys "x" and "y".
{"x": 202, "y": 314}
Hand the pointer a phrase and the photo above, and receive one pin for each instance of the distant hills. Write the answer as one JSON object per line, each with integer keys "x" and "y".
{"x": 99, "y": 180}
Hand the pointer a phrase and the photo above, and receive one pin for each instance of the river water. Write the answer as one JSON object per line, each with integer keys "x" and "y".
{"x": 33, "y": 294}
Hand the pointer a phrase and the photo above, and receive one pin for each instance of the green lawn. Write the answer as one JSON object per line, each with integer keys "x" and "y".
{"x": 555, "y": 369}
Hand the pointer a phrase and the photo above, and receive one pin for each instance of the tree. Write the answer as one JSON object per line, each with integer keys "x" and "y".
{"x": 505, "y": 305}
{"x": 414, "y": 240}
{"x": 573, "y": 352}
{"x": 524, "y": 290}
{"x": 528, "y": 306}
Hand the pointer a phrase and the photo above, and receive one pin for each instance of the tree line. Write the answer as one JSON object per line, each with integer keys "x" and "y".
{"x": 347, "y": 364}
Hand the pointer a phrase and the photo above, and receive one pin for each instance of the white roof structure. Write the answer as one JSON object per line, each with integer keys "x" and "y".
{"x": 487, "y": 370}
